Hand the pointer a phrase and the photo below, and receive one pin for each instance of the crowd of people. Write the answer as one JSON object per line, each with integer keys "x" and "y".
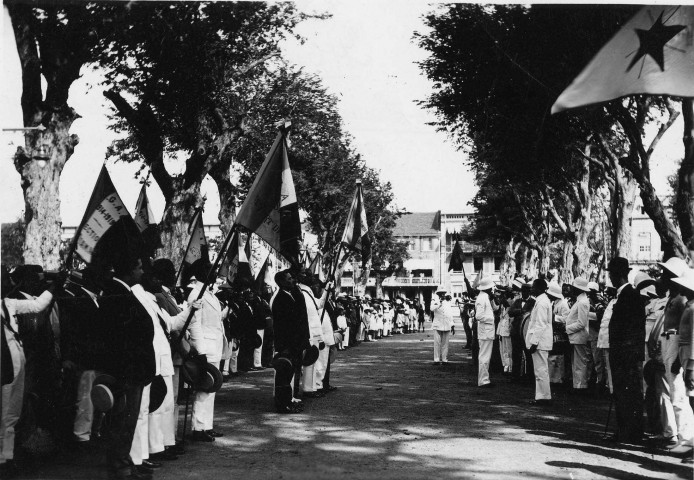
{"x": 106, "y": 356}
{"x": 632, "y": 342}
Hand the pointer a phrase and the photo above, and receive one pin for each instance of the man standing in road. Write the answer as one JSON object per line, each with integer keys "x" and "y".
{"x": 538, "y": 340}
{"x": 627, "y": 334}
{"x": 484, "y": 314}
{"x": 577, "y": 329}
{"x": 442, "y": 327}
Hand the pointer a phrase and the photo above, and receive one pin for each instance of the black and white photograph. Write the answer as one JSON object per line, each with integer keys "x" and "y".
{"x": 346, "y": 239}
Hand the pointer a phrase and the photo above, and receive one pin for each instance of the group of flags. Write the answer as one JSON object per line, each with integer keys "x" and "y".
{"x": 267, "y": 220}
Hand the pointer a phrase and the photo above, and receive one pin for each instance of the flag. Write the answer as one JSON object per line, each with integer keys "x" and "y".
{"x": 356, "y": 236}
{"x": 197, "y": 244}
{"x": 104, "y": 211}
{"x": 316, "y": 266}
{"x": 143, "y": 211}
{"x": 257, "y": 255}
{"x": 457, "y": 258}
{"x": 651, "y": 54}
{"x": 271, "y": 210}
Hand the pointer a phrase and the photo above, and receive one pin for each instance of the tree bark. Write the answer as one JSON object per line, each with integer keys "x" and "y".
{"x": 508, "y": 264}
{"x": 174, "y": 223}
{"x": 621, "y": 209}
{"x": 227, "y": 197}
{"x": 532, "y": 263}
{"x": 684, "y": 201}
{"x": 566, "y": 274}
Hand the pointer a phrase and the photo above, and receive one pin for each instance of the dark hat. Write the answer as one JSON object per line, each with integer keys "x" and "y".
{"x": 201, "y": 375}
{"x": 309, "y": 356}
{"x": 284, "y": 369}
{"x": 106, "y": 394}
{"x": 157, "y": 393}
{"x": 618, "y": 264}
{"x": 256, "y": 341}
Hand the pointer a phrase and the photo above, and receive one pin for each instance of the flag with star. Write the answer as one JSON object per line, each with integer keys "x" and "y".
{"x": 653, "y": 53}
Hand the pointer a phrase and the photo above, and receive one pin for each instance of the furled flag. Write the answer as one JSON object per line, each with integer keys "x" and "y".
{"x": 143, "y": 211}
{"x": 651, "y": 54}
{"x": 259, "y": 251}
{"x": 316, "y": 266}
{"x": 197, "y": 244}
{"x": 271, "y": 210}
{"x": 356, "y": 236}
{"x": 457, "y": 258}
{"x": 104, "y": 211}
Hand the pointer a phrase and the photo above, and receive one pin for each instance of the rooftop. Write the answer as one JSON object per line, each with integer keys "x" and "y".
{"x": 418, "y": 224}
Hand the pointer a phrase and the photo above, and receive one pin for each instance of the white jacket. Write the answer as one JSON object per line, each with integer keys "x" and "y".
{"x": 577, "y": 321}
{"x": 313, "y": 312}
{"x": 540, "y": 325}
{"x": 443, "y": 318}
{"x": 485, "y": 317}
{"x": 162, "y": 348}
{"x": 207, "y": 336}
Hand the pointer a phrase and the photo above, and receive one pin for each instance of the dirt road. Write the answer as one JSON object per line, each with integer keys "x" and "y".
{"x": 397, "y": 416}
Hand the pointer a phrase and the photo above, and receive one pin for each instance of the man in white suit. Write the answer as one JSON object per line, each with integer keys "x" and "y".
{"x": 538, "y": 340}
{"x": 442, "y": 326}
{"x": 314, "y": 307}
{"x": 577, "y": 329}
{"x": 208, "y": 340}
{"x": 484, "y": 314}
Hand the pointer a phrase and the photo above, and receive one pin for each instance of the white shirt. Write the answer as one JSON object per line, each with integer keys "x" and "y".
{"x": 443, "y": 318}
{"x": 485, "y": 317}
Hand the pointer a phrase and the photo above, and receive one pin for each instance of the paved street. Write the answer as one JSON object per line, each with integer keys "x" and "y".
{"x": 397, "y": 416}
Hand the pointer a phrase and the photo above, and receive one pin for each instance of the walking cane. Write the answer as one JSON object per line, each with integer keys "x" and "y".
{"x": 609, "y": 413}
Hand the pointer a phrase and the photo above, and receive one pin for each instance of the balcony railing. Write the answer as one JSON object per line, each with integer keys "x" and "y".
{"x": 408, "y": 281}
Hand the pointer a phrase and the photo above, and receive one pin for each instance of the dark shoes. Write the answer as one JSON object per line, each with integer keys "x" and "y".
{"x": 176, "y": 449}
{"x": 257, "y": 369}
{"x": 294, "y": 408}
{"x": 328, "y": 389}
{"x": 486, "y": 385}
{"x": 437, "y": 363}
{"x": 151, "y": 464}
{"x": 201, "y": 436}
{"x": 214, "y": 433}
{"x": 165, "y": 456}
{"x": 541, "y": 402}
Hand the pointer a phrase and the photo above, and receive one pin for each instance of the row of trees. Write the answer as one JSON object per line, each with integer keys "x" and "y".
{"x": 201, "y": 82}
{"x": 554, "y": 191}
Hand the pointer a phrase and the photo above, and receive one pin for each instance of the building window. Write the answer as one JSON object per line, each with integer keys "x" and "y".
{"x": 497, "y": 263}
{"x": 644, "y": 248}
{"x": 410, "y": 244}
{"x": 478, "y": 263}
{"x": 426, "y": 244}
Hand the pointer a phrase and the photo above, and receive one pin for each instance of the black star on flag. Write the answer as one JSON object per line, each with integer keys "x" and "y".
{"x": 653, "y": 41}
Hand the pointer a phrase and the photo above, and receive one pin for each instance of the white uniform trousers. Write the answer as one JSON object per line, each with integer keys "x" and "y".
{"x": 162, "y": 431}
{"x": 307, "y": 380}
{"x": 12, "y": 397}
{"x": 441, "y": 338}
{"x": 233, "y": 361}
{"x": 320, "y": 367}
{"x": 139, "y": 450}
{"x": 684, "y": 417}
{"x": 579, "y": 364}
{"x": 685, "y": 352}
{"x": 506, "y": 353}
{"x": 667, "y": 413}
{"x": 175, "y": 383}
{"x": 484, "y": 356}
{"x": 82, "y": 427}
{"x": 345, "y": 340}
{"x": 203, "y": 409}
{"x": 596, "y": 357}
{"x": 258, "y": 352}
{"x": 608, "y": 370}
{"x": 541, "y": 367}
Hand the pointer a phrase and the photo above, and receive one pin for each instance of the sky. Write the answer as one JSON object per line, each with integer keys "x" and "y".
{"x": 366, "y": 57}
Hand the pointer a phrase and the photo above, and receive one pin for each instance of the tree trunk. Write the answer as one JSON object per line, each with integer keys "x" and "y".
{"x": 40, "y": 164}
{"x": 684, "y": 202}
{"x": 227, "y": 197}
{"x": 567, "y": 261}
{"x": 671, "y": 241}
{"x": 543, "y": 261}
{"x": 174, "y": 223}
{"x": 621, "y": 209}
{"x": 523, "y": 259}
{"x": 508, "y": 264}
{"x": 581, "y": 260}
{"x": 532, "y": 263}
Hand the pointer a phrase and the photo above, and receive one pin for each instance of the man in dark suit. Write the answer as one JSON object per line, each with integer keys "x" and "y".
{"x": 291, "y": 335}
{"x": 627, "y": 334}
{"x": 132, "y": 360}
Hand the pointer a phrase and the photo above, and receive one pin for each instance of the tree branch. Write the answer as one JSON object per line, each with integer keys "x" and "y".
{"x": 25, "y": 37}
{"x": 664, "y": 127}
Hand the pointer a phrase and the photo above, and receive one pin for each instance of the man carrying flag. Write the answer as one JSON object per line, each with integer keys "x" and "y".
{"x": 197, "y": 245}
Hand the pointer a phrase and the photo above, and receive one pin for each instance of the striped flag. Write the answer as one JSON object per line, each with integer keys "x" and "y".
{"x": 356, "y": 236}
{"x": 316, "y": 266}
{"x": 271, "y": 210}
{"x": 652, "y": 53}
{"x": 457, "y": 258}
{"x": 105, "y": 210}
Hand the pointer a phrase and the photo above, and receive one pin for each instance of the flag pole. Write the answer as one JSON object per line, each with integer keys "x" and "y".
{"x": 213, "y": 269}
{"x": 331, "y": 290}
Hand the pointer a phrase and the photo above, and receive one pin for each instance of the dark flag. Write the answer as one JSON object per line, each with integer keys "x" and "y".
{"x": 271, "y": 210}
{"x": 144, "y": 219}
{"x": 105, "y": 211}
{"x": 197, "y": 245}
{"x": 356, "y": 236}
{"x": 457, "y": 258}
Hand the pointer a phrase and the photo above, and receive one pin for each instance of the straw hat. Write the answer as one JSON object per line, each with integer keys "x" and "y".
{"x": 686, "y": 279}
{"x": 593, "y": 286}
{"x": 554, "y": 290}
{"x": 642, "y": 280}
{"x": 675, "y": 265}
{"x": 485, "y": 284}
{"x": 581, "y": 284}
